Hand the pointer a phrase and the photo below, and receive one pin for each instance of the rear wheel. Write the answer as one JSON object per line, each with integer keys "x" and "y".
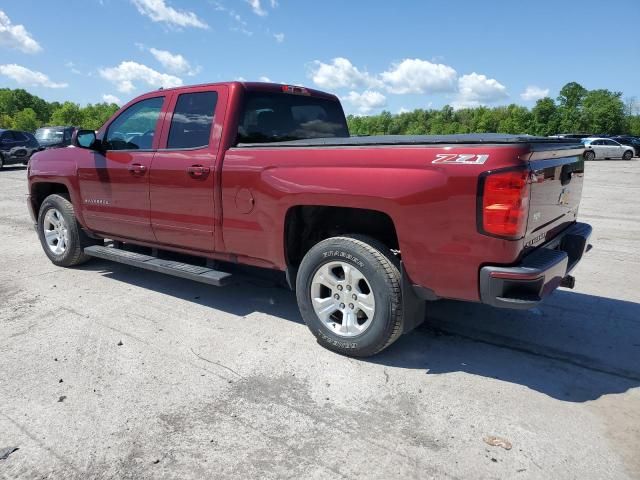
{"x": 589, "y": 155}
{"x": 60, "y": 234}
{"x": 348, "y": 291}
{"x": 1, "y": 162}
{"x": 628, "y": 155}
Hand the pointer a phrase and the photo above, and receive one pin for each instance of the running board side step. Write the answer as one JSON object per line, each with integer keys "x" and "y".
{"x": 169, "y": 267}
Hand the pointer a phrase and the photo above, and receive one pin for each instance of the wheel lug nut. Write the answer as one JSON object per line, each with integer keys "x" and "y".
{"x": 342, "y": 305}
{"x": 354, "y": 296}
{"x": 351, "y": 306}
{"x": 340, "y": 287}
{"x": 336, "y": 296}
{"x": 348, "y": 288}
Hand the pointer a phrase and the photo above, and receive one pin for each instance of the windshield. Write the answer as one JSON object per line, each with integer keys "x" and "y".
{"x": 49, "y": 135}
{"x": 276, "y": 117}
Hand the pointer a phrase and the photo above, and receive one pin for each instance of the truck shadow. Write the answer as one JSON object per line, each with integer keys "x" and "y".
{"x": 574, "y": 347}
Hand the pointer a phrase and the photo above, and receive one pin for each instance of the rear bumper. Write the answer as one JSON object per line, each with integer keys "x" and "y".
{"x": 524, "y": 285}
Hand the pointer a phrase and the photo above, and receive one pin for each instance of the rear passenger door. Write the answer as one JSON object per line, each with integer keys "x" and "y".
{"x": 183, "y": 174}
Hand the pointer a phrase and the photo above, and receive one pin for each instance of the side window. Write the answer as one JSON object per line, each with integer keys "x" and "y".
{"x": 134, "y": 128}
{"x": 192, "y": 120}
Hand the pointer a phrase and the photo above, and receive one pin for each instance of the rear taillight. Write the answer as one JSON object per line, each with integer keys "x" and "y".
{"x": 504, "y": 203}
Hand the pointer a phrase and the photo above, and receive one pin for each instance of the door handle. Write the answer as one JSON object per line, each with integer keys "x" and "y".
{"x": 198, "y": 170}
{"x": 136, "y": 168}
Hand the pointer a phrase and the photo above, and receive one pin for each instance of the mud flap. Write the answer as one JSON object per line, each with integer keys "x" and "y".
{"x": 413, "y": 307}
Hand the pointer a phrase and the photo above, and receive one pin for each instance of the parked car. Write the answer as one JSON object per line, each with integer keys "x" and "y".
{"x": 365, "y": 229}
{"x": 575, "y": 136}
{"x": 55, "y": 137}
{"x": 630, "y": 141}
{"x": 599, "y": 148}
{"x": 16, "y": 147}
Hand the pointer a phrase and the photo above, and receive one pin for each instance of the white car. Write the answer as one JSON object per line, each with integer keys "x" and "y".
{"x": 599, "y": 148}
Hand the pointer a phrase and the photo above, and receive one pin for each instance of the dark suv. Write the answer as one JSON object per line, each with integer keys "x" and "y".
{"x": 55, "y": 137}
{"x": 16, "y": 147}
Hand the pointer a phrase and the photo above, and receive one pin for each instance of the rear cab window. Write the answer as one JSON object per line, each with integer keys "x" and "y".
{"x": 276, "y": 117}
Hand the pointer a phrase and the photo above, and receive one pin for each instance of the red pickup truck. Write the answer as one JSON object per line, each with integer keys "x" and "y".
{"x": 366, "y": 229}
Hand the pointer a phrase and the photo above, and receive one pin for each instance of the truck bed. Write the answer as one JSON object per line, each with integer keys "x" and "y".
{"x": 459, "y": 139}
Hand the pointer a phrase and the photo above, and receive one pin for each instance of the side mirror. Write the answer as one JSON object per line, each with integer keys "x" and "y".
{"x": 85, "y": 139}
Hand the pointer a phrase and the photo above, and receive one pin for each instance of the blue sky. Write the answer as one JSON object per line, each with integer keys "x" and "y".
{"x": 374, "y": 55}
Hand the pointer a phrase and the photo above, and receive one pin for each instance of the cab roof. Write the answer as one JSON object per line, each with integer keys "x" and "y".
{"x": 253, "y": 86}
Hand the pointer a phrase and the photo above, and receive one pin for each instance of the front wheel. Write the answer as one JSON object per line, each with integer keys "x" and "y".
{"x": 348, "y": 291}
{"x": 61, "y": 237}
{"x": 589, "y": 155}
{"x": 627, "y": 155}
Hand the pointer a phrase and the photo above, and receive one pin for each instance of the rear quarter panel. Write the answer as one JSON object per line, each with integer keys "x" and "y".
{"x": 433, "y": 206}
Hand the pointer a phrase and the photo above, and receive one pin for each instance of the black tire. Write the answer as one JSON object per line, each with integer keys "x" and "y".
{"x": 77, "y": 239}
{"x": 628, "y": 155}
{"x": 1, "y": 162}
{"x": 589, "y": 155}
{"x": 381, "y": 269}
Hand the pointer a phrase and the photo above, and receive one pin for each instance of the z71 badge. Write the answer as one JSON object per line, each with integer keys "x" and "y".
{"x": 461, "y": 158}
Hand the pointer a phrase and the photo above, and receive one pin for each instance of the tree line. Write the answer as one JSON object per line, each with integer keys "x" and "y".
{"x": 576, "y": 110}
{"x": 20, "y": 110}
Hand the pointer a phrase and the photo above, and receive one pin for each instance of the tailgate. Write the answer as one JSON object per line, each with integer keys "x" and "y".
{"x": 557, "y": 174}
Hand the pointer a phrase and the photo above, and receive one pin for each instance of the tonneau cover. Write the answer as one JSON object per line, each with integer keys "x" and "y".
{"x": 466, "y": 139}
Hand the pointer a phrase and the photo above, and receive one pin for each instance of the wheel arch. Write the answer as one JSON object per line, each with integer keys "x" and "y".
{"x": 306, "y": 225}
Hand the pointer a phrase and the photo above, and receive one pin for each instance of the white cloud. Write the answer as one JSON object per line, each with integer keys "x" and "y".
{"x": 413, "y": 75}
{"x": 274, "y": 3}
{"x": 159, "y": 11}
{"x": 257, "y": 8}
{"x": 16, "y": 36}
{"x": 124, "y": 75}
{"x": 31, "y": 78}
{"x": 533, "y": 93}
{"x": 265, "y": 79}
{"x": 475, "y": 90}
{"x": 72, "y": 67}
{"x": 366, "y": 101}
{"x": 174, "y": 62}
{"x": 279, "y": 37}
{"x": 340, "y": 73}
{"x": 107, "y": 97}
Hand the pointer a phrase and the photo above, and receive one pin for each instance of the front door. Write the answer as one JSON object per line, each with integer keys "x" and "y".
{"x": 183, "y": 172}
{"x": 114, "y": 183}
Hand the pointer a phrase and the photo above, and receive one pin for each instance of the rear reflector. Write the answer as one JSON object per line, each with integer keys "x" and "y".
{"x": 504, "y": 206}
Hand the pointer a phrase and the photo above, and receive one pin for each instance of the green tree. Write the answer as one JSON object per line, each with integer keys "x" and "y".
{"x": 6, "y": 121}
{"x": 68, "y": 114}
{"x": 545, "y": 118}
{"x": 26, "y": 120}
{"x": 94, "y": 116}
{"x": 571, "y": 99}
{"x": 603, "y": 112}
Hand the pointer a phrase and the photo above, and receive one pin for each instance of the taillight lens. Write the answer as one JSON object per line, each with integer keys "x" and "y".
{"x": 505, "y": 203}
